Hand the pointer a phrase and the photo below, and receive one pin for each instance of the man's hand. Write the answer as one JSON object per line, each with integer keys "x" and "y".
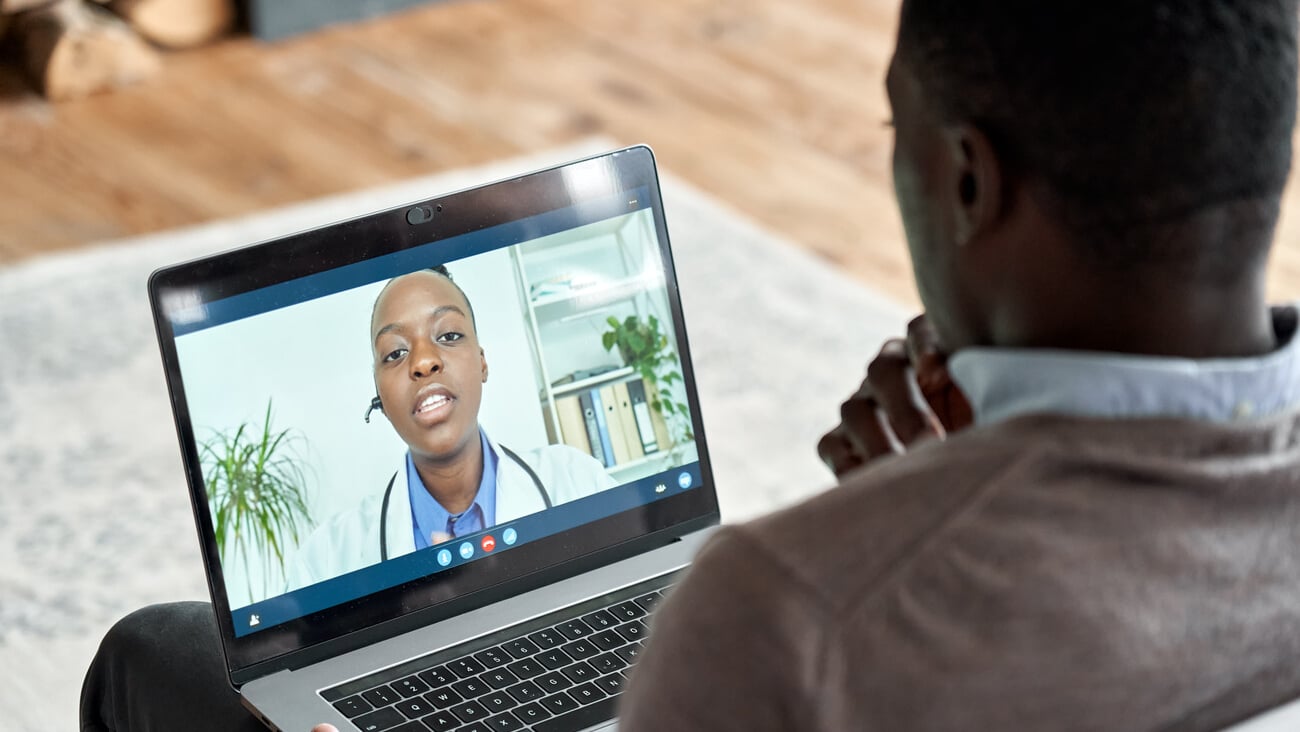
{"x": 907, "y": 397}
{"x": 324, "y": 728}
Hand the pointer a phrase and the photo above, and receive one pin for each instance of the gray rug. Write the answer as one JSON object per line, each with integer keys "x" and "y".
{"x": 94, "y": 514}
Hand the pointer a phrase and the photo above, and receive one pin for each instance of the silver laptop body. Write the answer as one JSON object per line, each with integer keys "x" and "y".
{"x": 316, "y": 418}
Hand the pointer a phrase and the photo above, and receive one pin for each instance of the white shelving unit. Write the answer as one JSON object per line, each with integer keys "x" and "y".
{"x": 565, "y": 325}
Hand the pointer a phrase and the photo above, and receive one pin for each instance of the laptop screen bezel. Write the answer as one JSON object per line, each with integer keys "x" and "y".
{"x": 492, "y": 578}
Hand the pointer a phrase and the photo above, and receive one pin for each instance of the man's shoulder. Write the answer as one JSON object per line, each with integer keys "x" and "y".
{"x": 858, "y": 533}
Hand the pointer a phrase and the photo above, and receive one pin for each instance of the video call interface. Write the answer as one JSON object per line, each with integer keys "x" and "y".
{"x": 379, "y": 423}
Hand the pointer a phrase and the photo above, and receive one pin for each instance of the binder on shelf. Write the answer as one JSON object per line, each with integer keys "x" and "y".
{"x": 573, "y": 426}
{"x": 591, "y": 417}
{"x": 641, "y": 416}
{"x": 657, "y": 420}
{"x": 613, "y": 428}
{"x": 627, "y": 421}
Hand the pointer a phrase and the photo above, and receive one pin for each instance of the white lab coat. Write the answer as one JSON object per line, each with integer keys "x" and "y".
{"x": 350, "y": 540}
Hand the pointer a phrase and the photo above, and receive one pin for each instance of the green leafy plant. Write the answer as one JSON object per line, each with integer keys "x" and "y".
{"x": 646, "y": 348}
{"x": 257, "y": 490}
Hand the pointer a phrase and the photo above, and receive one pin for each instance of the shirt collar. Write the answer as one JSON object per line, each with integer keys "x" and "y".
{"x": 429, "y": 516}
{"x": 1004, "y": 383}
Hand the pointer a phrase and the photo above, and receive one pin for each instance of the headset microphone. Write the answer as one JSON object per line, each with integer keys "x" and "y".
{"x": 374, "y": 404}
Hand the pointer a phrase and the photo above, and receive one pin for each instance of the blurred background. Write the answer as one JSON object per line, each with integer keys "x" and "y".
{"x": 120, "y": 117}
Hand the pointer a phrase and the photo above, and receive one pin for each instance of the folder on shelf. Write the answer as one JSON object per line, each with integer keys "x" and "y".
{"x": 573, "y": 426}
{"x": 592, "y": 416}
{"x": 627, "y": 422}
{"x": 645, "y": 430}
{"x": 613, "y": 427}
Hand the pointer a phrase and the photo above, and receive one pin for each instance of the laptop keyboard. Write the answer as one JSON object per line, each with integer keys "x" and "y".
{"x": 559, "y": 673}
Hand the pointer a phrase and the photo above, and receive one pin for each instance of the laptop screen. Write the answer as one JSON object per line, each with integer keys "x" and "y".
{"x": 383, "y": 425}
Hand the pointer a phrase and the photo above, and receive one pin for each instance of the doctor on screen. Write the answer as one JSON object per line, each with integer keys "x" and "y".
{"x": 454, "y": 479}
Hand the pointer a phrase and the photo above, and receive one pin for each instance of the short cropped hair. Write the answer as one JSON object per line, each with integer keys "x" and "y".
{"x": 1132, "y": 112}
{"x": 440, "y": 269}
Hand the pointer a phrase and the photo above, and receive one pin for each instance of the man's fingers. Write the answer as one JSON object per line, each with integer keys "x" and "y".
{"x": 925, "y": 354}
{"x": 834, "y": 450}
{"x": 860, "y": 425}
{"x": 892, "y": 383}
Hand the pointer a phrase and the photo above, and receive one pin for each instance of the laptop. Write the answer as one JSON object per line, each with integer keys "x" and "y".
{"x": 444, "y": 459}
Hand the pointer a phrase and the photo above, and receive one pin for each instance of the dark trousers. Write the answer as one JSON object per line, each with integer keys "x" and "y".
{"x": 161, "y": 668}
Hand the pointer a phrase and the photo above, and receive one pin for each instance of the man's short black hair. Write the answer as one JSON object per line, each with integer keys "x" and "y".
{"x": 1132, "y": 112}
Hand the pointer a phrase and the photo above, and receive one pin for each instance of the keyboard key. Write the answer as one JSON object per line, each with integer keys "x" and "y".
{"x": 443, "y": 698}
{"x": 476, "y": 727}
{"x": 522, "y": 648}
{"x": 410, "y": 686}
{"x": 492, "y": 657}
{"x": 612, "y": 684}
{"x": 530, "y": 713}
{"x": 633, "y": 631}
{"x": 579, "y": 672}
{"x": 353, "y": 706}
{"x": 470, "y": 688}
{"x": 381, "y": 696}
{"x": 581, "y": 718}
{"x": 553, "y": 682}
{"x": 627, "y": 610}
{"x": 547, "y": 638}
{"x": 497, "y": 701}
{"x": 465, "y": 668}
{"x": 379, "y": 720}
{"x": 560, "y": 704}
{"x": 499, "y": 678}
{"x": 469, "y": 711}
{"x": 412, "y": 726}
{"x": 504, "y": 723}
{"x": 599, "y": 620}
{"x": 435, "y": 677}
{"x": 414, "y": 708}
{"x": 525, "y": 692}
{"x": 572, "y": 629}
{"x": 587, "y": 693}
{"x": 608, "y": 663}
{"x": 649, "y": 602}
{"x": 443, "y": 721}
{"x": 527, "y": 668}
{"x": 581, "y": 648}
{"x": 553, "y": 658}
{"x": 608, "y": 640}
{"x": 629, "y": 652}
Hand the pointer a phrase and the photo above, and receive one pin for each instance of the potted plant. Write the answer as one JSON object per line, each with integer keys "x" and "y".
{"x": 257, "y": 492}
{"x": 646, "y": 348}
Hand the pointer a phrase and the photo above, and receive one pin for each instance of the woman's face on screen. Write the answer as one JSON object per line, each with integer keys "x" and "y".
{"x": 429, "y": 367}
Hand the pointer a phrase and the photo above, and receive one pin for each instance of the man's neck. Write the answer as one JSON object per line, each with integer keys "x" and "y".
{"x": 1204, "y": 300}
{"x": 1163, "y": 323}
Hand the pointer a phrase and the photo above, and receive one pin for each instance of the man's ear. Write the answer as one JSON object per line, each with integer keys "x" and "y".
{"x": 482, "y": 359}
{"x": 977, "y": 182}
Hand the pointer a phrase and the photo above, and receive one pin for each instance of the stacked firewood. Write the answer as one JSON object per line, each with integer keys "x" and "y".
{"x": 71, "y": 48}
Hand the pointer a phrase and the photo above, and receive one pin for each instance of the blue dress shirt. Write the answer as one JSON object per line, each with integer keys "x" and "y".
{"x": 429, "y": 517}
{"x": 1004, "y": 383}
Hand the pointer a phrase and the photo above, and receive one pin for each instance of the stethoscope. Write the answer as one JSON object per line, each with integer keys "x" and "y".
{"x": 388, "y": 492}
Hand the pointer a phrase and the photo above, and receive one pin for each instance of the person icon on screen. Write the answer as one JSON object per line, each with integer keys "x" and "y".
{"x": 454, "y": 480}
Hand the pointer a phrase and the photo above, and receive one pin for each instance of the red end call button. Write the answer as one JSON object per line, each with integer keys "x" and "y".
{"x": 489, "y": 543}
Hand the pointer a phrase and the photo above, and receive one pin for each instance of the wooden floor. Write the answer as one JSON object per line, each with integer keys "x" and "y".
{"x": 773, "y": 106}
